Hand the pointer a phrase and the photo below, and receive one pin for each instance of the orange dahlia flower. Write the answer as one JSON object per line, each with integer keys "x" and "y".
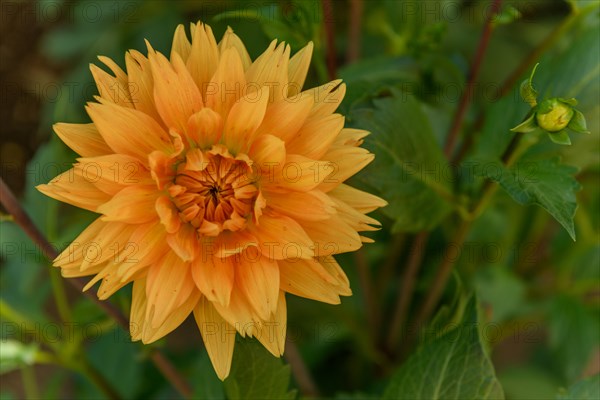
{"x": 219, "y": 188}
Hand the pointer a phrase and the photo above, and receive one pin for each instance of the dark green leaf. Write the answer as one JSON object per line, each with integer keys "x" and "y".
{"x": 409, "y": 170}
{"x": 455, "y": 366}
{"x": 256, "y": 374}
{"x": 545, "y": 183}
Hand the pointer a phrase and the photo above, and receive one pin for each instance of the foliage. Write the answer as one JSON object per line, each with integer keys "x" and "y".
{"x": 531, "y": 328}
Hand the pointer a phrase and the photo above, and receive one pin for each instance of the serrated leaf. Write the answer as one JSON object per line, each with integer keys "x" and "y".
{"x": 256, "y": 374}
{"x": 587, "y": 389}
{"x": 409, "y": 170}
{"x": 545, "y": 183}
{"x": 454, "y": 366}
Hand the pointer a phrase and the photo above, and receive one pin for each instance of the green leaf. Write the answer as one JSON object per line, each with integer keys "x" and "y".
{"x": 561, "y": 138}
{"x": 528, "y": 93}
{"x": 15, "y": 355}
{"x": 545, "y": 183}
{"x": 256, "y": 374}
{"x": 578, "y": 123}
{"x": 574, "y": 333}
{"x": 205, "y": 381}
{"x": 455, "y": 366}
{"x": 587, "y": 389}
{"x": 409, "y": 170}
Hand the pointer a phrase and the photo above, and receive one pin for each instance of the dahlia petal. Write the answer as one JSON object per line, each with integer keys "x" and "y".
{"x": 218, "y": 336}
{"x": 75, "y": 252}
{"x": 141, "y": 84}
{"x": 133, "y": 204}
{"x": 214, "y": 277}
{"x": 298, "y": 278}
{"x": 181, "y": 45}
{"x": 268, "y": 153}
{"x": 169, "y": 285}
{"x": 145, "y": 247}
{"x": 332, "y": 236}
{"x": 311, "y": 206}
{"x": 128, "y": 131}
{"x": 232, "y": 41}
{"x": 326, "y": 97}
{"x": 83, "y": 139}
{"x": 204, "y": 56}
{"x": 258, "y": 279}
{"x": 361, "y": 201}
{"x": 271, "y": 69}
{"x": 112, "y": 172}
{"x": 330, "y": 264}
{"x": 175, "y": 94}
{"x": 205, "y": 127}
{"x": 139, "y": 325}
{"x": 73, "y": 189}
{"x": 271, "y": 332}
{"x": 350, "y": 137}
{"x": 285, "y": 117}
{"x": 316, "y": 136}
{"x": 161, "y": 169}
{"x": 300, "y": 173}
{"x": 227, "y": 84}
{"x": 244, "y": 118}
{"x": 347, "y": 161}
{"x": 238, "y": 313}
{"x": 281, "y": 237}
{"x": 168, "y": 214}
{"x": 357, "y": 220}
{"x": 107, "y": 245}
{"x": 184, "y": 242}
{"x": 232, "y": 243}
{"x": 298, "y": 69}
{"x": 111, "y": 88}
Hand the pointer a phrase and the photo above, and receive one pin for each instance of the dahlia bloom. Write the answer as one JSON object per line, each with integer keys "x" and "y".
{"x": 219, "y": 185}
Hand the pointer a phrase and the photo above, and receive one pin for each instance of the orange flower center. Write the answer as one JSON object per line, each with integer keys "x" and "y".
{"x": 214, "y": 191}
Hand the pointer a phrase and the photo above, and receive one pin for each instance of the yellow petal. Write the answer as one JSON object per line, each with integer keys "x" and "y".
{"x": 84, "y": 139}
{"x": 271, "y": 332}
{"x": 111, "y": 173}
{"x": 244, "y": 118}
{"x": 285, "y": 117}
{"x": 218, "y": 336}
{"x": 299, "y": 173}
{"x": 326, "y": 98}
{"x": 268, "y": 154}
{"x": 333, "y": 236}
{"x": 258, "y": 279}
{"x": 181, "y": 45}
{"x": 168, "y": 214}
{"x": 111, "y": 88}
{"x": 271, "y": 69}
{"x": 204, "y": 56}
{"x": 227, "y": 85}
{"x": 184, "y": 242}
{"x": 345, "y": 161}
{"x": 175, "y": 94}
{"x": 298, "y": 69}
{"x": 312, "y": 206}
{"x": 128, "y": 131}
{"x": 77, "y": 249}
{"x": 169, "y": 285}
{"x": 298, "y": 278}
{"x": 281, "y": 237}
{"x": 205, "y": 127}
{"x": 232, "y": 41}
{"x": 73, "y": 189}
{"x": 214, "y": 276}
{"x": 316, "y": 136}
{"x": 145, "y": 247}
{"x": 362, "y": 201}
{"x": 133, "y": 204}
{"x": 141, "y": 84}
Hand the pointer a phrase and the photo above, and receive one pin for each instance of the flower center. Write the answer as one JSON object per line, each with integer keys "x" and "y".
{"x": 214, "y": 191}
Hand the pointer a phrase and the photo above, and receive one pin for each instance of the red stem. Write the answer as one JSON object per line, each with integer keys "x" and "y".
{"x": 330, "y": 37}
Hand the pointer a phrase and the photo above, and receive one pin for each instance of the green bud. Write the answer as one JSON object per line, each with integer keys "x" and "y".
{"x": 554, "y": 115}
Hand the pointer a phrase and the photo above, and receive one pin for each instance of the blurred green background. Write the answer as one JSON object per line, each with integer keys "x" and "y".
{"x": 538, "y": 290}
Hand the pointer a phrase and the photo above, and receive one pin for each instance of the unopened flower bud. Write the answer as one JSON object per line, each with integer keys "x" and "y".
{"x": 554, "y": 115}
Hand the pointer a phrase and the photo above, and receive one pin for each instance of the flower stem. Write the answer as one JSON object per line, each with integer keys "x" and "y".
{"x": 467, "y": 95}
{"x": 329, "y": 37}
{"x": 301, "y": 373}
{"x": 407, "y": 287}
{"x": 354, "y": 30}
{"x": 11, "y": 204}
{"x": 92, "y": 374}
